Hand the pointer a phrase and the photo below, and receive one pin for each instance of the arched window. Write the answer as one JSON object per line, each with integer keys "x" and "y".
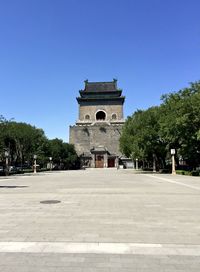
{"x": 100, "y": 116}
{"x": 114, "y": 116}
{"x": 87, "y": 117}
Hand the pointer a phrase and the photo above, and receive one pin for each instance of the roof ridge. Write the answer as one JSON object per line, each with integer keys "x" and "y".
{"x": 91, "y": 82}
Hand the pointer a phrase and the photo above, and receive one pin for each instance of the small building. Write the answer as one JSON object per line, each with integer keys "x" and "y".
{"x": 96, "y": 133}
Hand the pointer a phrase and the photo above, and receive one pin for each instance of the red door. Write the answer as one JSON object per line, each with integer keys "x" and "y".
{"x": 111, "y": 162}
{"x": 99, "y": 161}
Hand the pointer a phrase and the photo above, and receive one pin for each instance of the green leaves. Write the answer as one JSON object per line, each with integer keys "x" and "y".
{"x": 63, "y": 153}
{"x": 140, "y": 137}
{"x": 23, "y": 141}
{"x": 175, "y": 123}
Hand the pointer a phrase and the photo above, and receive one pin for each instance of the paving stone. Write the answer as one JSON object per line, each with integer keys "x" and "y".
{"x": 106, "y": 206}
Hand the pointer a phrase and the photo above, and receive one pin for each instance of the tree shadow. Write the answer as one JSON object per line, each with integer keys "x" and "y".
{"x": 12, "y": 186}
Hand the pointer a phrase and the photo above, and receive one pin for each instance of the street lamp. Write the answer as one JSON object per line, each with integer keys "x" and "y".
{"x": 181, "y": 160}
{"x": 34, "y": 164}
{"x": 136, "y": 162}
{"x": 154, "y": 163}
{"x": 50, "y": 164}
{"x": 173, "y": 151}
{"x": 6, "y": 156}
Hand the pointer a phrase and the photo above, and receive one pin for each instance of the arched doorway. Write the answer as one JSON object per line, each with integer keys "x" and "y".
{"x": 100, "y": 116}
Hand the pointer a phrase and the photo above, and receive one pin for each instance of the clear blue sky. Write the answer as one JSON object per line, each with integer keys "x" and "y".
{"x": 49, "y": 47}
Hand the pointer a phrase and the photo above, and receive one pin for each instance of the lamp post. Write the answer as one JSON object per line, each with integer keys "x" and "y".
{"x": 173, "y": 151}
{"x": 6, "y": 156}
{"x": 34, "y": 164}
{"x": 154, "y": 163}
{"x": 83, "y": 161}
{"x": 136, "y": 164}
{"x": 133, "y": 161}
{"x": 181, "y": 160}
{"x": 50, "y": 163}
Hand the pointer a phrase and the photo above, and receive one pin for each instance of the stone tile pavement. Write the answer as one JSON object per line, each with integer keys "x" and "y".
{"x": 107, "y": 220}
{"x": 24, "y": 262}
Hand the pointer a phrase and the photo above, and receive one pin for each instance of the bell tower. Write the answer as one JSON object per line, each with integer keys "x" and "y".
{"x": 100, "y": 120}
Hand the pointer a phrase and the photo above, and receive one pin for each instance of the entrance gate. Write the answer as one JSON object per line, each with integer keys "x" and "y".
{"x": 111, "y": 162}
{"x": 99, "y": 161}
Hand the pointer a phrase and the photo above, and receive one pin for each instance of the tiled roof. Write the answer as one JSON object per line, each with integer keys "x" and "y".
{"x": 100, "y": 86}
{"x": 100, "y": 91}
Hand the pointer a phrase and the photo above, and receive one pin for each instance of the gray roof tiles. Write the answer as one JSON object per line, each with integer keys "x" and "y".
{"x": 100, "y": 86}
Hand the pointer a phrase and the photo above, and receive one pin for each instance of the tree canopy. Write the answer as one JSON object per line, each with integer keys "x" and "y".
{"x": 173, "y": 124}
{"x": 22, "y": 141}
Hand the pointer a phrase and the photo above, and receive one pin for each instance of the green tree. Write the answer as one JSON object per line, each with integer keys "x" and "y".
{"x": 180, "y": 123}
{"x": 3, "y": 122}
{"x": 22, "y": 141}
{"x": 140, "y": 137}
{"x": 63, "y": 154}
{"x": 174, "y": 124}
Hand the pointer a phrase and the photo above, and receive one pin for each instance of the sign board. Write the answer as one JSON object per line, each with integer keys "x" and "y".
{"x": 173, "y": 151}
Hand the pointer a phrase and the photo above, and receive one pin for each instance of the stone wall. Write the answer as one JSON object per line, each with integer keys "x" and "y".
{"x": 109, "y": 108}
{"x": 101, "y": 134}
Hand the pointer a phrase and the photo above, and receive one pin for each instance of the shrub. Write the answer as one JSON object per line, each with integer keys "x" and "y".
{"x": 195, "y": 173}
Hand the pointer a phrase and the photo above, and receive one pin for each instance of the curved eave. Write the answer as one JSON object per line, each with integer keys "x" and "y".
{"x": 83, "y": 93}
{"x": 83, "y": 99}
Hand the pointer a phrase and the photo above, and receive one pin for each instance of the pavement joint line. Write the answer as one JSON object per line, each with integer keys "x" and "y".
{"x": 100, "y": 248}
{"x": 174, "y": 182}
{"x": 5, "y": 179}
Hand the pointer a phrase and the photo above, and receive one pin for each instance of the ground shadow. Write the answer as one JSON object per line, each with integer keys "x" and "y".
{"x": 12, "y": 186}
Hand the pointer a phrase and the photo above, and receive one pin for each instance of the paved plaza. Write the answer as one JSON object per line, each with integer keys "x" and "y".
{"x": 103, "y": 220}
